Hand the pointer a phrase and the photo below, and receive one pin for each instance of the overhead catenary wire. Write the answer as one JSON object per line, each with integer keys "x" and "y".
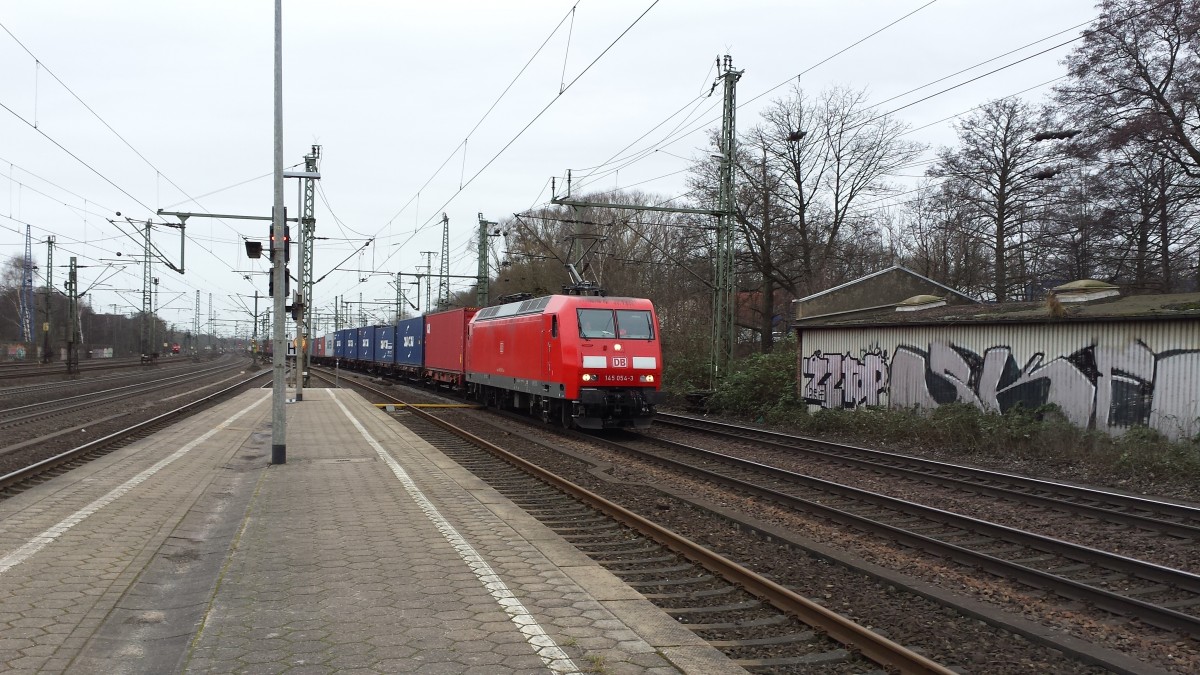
{"x": 525, "y": 128}
{"x": 485, "y": 115}
{"x": 670, "y": 141}
{"x": 652, "y": 149}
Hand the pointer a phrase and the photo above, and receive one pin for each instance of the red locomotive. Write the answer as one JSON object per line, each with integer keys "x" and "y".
{"x": 577, "y": 360}
{"x": 587, "y": 361}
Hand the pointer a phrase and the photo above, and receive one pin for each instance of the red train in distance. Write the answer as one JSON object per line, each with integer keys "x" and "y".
{"x": 588, "y": 361}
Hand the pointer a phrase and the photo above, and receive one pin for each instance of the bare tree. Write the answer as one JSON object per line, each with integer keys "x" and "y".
{"x": 1136, "y": 77}
{"x": 840, "y": 154}
{"x": 937, "y": 235}
{"x": 803, "y": 173}
{"x": 998, "y": 167}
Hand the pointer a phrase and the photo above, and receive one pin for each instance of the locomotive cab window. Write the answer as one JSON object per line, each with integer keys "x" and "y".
{"x": 596, "y": 323}
{"x": 634, "y": 324}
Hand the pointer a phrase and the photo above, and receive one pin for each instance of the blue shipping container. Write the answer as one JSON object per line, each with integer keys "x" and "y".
{"x": 339, "y": 343}
{"x": 366, "y": 343}
{"x": 351, "y": 340}
{"x": 410, "y": 342}
{"x": 385, "y": 344}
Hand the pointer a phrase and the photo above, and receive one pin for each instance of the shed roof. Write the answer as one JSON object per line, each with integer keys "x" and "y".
{"x": 893, "y": 268}
{"x": 1124, "y": 308}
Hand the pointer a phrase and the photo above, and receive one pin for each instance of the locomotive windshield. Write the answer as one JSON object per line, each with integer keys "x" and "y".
{"x": 625, "y": 323}
{"x": 635, "y": 324}
{"x": 596, "y": 323}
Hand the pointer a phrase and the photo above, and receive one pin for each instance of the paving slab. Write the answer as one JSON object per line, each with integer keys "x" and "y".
{"x": 368, "y": 551}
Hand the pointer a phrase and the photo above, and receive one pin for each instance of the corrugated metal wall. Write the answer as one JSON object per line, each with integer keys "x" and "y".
{"x": 1105, "y": 375}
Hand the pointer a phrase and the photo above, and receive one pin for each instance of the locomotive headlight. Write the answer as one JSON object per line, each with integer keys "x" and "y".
{"x": 646, "y": 378}
{"x": 588, "y": 377}
{"x": 617, "y": 347}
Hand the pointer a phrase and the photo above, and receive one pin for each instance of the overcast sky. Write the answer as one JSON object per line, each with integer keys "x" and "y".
{"x": 181, "y": 113}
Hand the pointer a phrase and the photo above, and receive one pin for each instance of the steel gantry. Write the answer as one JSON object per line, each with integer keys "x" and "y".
{"x": 46, "y": 356}
{"x": 724, "y": 301}
{"x": 308, "y": 228}
{"x": 26, "y": 297}
{"x": 485, "y": 230}
{"x": 443, "y": 300}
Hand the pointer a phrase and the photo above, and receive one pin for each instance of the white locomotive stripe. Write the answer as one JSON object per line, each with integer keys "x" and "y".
{"x": 595, "y": 362}
{"x": 645, "y": 362}
{"x": 551, "y": 654}
{"x": 45, "y": 538}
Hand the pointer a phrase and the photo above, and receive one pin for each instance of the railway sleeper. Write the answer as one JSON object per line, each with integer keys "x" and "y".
{"x": 713, "y": 609}
{"x": 773, "y": 641}
{"x": 773, "y": 620}
{"x": 831, "y": 656}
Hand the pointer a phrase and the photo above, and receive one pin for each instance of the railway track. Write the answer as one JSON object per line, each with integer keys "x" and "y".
{"x": 13, "y": 371}
{"x": 1151, "y": 515}
{"x": 1161, "y": 596}
{"x": 12, "y": 417}
{"x": 38, "y": 472}
{"x": 60, "y": 385}
{"x": 760, "y": 624}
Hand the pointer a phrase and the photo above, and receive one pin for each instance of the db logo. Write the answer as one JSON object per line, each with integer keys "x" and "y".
{"x": 620, "y": 362}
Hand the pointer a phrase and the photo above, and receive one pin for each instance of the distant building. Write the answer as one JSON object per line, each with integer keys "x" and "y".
{"x": 1108, "y": 361}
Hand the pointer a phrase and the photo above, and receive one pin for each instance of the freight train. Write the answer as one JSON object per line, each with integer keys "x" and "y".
{"x": 578, "y": 361}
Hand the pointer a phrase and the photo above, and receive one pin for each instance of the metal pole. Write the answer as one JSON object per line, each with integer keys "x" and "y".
{"x": 308, "y": 223}
{"x": 724, "y": 299}
{"x": 147, "y": 301}
{"x": 444, "y": 277}
{"x": 73, "y": 319}
{"x": 278, "y": 271}
{"x": 298, "y": 365}
{"x": 46, "y": 358}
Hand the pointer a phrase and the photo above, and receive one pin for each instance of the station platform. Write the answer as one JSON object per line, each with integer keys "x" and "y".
{"x": 368, "y": 551}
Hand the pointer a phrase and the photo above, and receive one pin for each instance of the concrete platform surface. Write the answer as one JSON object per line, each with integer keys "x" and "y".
{"x": 369, "y": 551}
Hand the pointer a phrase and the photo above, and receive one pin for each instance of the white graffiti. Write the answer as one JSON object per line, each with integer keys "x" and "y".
{"x": 1102, "y": 387}
{"x": 844, "y": 381}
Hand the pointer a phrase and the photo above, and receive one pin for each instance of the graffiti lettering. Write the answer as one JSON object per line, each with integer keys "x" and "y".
{"x": 841, "y": 380}
{"x": 1102, "y": 387}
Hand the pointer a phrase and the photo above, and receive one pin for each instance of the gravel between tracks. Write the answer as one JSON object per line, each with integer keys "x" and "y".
{"x": 907, "y": 618}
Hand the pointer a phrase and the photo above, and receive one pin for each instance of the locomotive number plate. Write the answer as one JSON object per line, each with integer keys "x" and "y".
{"x": 618, "y": 378}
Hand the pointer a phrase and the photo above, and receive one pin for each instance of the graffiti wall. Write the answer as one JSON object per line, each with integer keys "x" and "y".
{"x": 1099, "y": 384}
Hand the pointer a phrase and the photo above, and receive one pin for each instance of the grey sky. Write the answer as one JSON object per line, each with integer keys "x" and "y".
{"x": 392, "y": 89}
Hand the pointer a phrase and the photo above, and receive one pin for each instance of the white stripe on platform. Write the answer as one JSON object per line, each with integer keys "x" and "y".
{"x": 551, "y": 654}
{"x": 45, "y": 538}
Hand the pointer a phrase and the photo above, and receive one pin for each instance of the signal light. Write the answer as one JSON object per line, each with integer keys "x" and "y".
{"x": 646, "y": 378}
{"x": 287, "y": 240}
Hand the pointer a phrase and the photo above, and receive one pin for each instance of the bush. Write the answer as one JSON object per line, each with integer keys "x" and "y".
{"x": 759, "y": 383}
